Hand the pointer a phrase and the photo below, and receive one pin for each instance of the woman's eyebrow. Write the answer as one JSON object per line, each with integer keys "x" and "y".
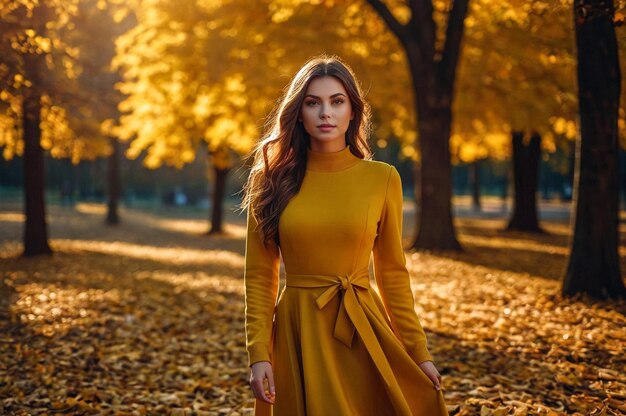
{"x": 332, "y": 96}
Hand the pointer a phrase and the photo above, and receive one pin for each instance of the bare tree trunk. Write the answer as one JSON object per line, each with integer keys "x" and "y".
{"x": 113, "y": 183}
{"x": 217, "y": 211}
{"x": 525, "y": 179}
{"x": 475, "y": 183}
{"x": 36, "y": 228}
{"x": 593, "y": 265}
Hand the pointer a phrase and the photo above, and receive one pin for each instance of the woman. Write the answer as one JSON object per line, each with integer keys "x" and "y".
{"x": 330, "y": 345}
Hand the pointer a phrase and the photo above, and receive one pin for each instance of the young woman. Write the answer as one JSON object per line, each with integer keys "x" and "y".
{"x": 331, "y": 345}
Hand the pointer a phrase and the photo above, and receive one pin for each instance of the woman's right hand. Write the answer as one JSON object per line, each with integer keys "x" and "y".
{"x": 260, "y": 371}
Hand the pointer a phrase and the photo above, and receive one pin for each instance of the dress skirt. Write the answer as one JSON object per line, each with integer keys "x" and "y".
{"x": 334, "y": 353}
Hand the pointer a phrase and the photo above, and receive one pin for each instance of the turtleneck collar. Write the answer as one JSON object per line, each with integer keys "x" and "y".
{"x": 330, "y": 161}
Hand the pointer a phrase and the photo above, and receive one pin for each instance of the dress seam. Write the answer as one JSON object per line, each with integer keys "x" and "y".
{"x": 387, "y": 187}
{"x": 358, "y": 252}
{"x": 383, "y": 212}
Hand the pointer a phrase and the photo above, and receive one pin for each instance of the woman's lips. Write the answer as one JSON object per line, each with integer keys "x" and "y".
{"x": 326, "y": 128}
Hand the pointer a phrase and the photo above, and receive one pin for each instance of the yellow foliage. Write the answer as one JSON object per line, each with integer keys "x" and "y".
{"x": 401, "y": 11}
{"x": 467, "y": 154}
{"x": 572, "y": 130}
{"x": 221, "y": 157}
{"x": 9, "y": 138}
{"x": 44, "y": 44}
{"x": 559, "y": 125}
{"x": 281, "y": 10}
{"x": 516, "y": 72}
{"x": 58, "y": 136}
{"x": 360, "y": 48}
{"x": 120, "y": 15}
{"x": 210, "y": 71}
{"x": 409, "y": 152}
{"x": 63, "y": 122}
{"x": 548, "y": 142}
{"x": 564, "y": 127}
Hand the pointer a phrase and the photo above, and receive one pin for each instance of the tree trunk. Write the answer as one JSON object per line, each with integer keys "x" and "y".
{"x": 622, "y": 163}
{"x": 506, "y": 183}
{"x": 436, "y": 230}
{"x": 475, "y": 183}
{"x": 417, "y": 192}
{"x": 593, "y": 265}
{"x": 113, "y": 183}
{"x": 36, "y": 228}
{"x": 218, "y": 200}
{"x": 568, "y": 185}
{"x": 525, "y": 175}
{"x": 433, "y": 72}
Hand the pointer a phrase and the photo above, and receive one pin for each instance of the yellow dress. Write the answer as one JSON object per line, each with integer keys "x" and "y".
{"x": 336, "y": 346}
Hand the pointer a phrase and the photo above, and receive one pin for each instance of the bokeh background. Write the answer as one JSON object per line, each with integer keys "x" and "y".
{"x": 124, "y": 131}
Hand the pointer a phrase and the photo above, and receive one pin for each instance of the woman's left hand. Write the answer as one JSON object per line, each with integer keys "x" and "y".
{"x": 431, "y": 371}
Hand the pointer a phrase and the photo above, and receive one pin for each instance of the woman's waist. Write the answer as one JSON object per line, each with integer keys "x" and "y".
{"x": 360, "y": 278}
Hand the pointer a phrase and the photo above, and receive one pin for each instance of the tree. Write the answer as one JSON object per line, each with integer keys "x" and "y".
{"x": 432, "y": 66}
{"x": 593, "y": 265}
{"x": 27, "y": 48}
{"x": 178, "y": 97}
{"x": 43, "y": 103}
{"x": 180, "y": 100}
{"x": 515, "y": 83}
{"x": 97, "y": 25}
{"x": 526, "y": 158}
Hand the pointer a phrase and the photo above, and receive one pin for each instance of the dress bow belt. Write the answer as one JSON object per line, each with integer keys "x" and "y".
{"x": 351, "y": 316}
{"x": 348, "y": 314}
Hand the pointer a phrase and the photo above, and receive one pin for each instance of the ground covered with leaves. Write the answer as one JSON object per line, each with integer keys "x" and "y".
{"x": 147, "y": 318}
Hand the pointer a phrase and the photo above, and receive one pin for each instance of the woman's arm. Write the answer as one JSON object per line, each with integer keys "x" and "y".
{"x": 392, "y": 276}
{"x": 261, "y": 288}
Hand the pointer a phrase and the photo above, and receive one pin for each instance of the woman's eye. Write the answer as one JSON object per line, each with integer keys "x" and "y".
{"x": 310, "y": 103}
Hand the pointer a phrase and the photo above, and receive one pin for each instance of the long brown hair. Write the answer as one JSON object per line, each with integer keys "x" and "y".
{"x": 279, "y": 158}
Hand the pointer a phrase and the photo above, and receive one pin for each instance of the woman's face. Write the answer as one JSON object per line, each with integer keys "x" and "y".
{"x": 326, "y": 113}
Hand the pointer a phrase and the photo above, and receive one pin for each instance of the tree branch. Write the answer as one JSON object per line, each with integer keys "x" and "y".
{"x": 451, "y": 49}
{"x": 393, "y": 24}
{"x": 423, "y": 29}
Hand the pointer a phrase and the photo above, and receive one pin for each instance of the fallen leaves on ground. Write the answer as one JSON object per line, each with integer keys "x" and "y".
{"x": 147, "y": 318}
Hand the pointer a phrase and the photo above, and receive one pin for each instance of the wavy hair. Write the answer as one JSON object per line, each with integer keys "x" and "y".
{"x": 279, "y": 158}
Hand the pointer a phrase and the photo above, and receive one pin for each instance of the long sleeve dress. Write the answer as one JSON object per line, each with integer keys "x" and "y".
{"x": 336, "y": 346}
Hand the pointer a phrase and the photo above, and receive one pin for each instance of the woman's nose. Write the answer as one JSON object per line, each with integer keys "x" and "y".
{"x": 324, "y": 111}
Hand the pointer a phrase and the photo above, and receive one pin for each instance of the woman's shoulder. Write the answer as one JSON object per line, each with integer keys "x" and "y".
{"x": 379, "y": 168}
{"x": 378, "y": 174}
